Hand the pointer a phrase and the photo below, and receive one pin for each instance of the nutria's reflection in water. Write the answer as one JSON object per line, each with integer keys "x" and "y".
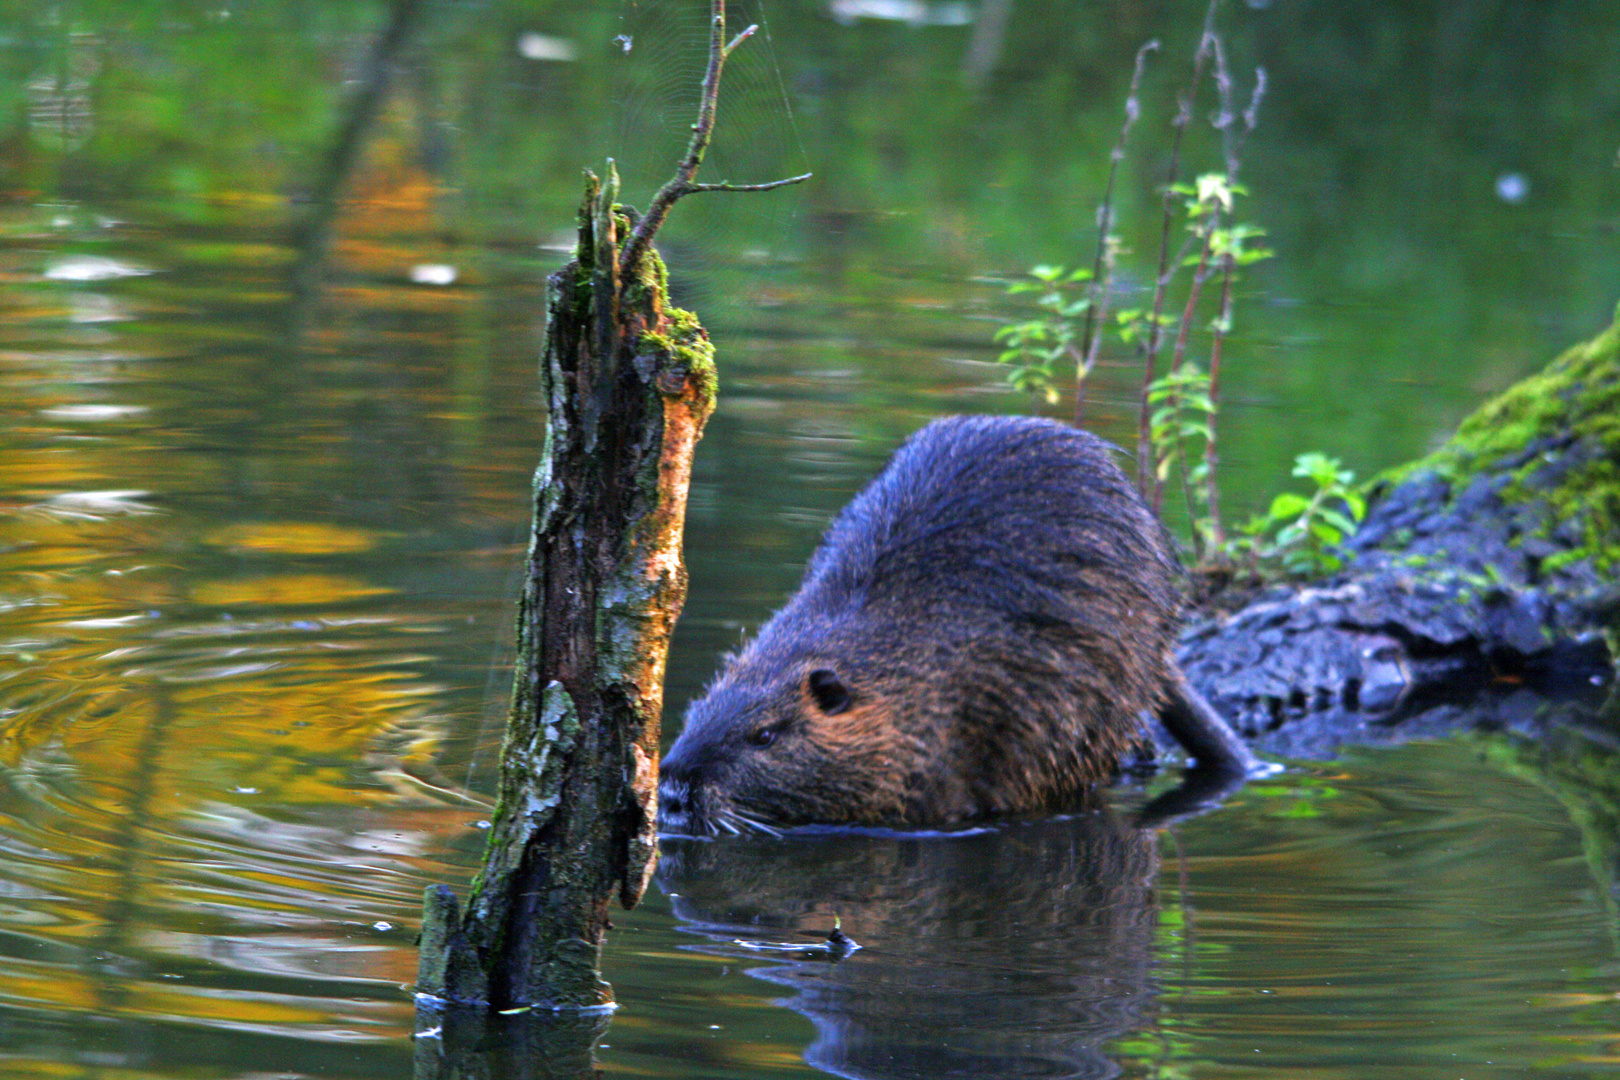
{"x": 1016, "y": 951}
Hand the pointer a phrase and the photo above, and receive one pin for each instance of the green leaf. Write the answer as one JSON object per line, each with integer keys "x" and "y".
{"x": 1318, "y": 467}
{"x": 1288, "y": 505}
{"x": 1326, "y": 533}
{"x": 1214, "y": 191}
{"x": 1339, "y": 521}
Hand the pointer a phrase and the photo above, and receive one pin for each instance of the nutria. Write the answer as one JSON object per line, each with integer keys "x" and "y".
{"x": 979, "y": 633}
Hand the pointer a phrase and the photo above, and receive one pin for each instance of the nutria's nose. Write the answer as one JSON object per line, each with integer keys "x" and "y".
{"x": 683, "y": 761}
{"x": 671, "y": 799}
{"x": 675, "y": 805}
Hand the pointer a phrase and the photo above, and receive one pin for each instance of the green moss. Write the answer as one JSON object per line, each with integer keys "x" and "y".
{"x": 687, "y": 345}
{"x": 1575, "y": 398}
{"x": 646, "y": 286}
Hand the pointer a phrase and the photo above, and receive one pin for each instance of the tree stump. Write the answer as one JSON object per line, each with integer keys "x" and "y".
{"x": 629, "y": 382}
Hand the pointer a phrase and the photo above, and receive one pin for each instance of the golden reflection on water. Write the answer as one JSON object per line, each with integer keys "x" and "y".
{"x": 218, "y": 734}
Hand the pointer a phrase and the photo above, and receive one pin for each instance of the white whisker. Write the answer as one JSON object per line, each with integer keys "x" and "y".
{"x": 756, "y": 824}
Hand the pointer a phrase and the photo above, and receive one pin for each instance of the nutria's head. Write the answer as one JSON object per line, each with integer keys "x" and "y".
{"x": 907, "y": 723}
{"x": 789, "y": 735}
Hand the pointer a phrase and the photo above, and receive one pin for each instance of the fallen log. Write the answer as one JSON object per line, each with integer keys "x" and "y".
{"x": 1481, "y": 589}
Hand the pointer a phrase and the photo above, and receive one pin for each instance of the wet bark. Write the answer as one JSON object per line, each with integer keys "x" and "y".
{"x": 629, "y": 382}
{"x": 1481, "y": 589}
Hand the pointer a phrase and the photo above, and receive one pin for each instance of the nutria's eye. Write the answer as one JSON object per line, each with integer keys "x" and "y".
{"x": 764, "y": 736}
{"x": 832, "y": 696}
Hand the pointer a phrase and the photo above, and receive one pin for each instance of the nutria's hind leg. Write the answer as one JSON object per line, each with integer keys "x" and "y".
{"x": 1222, "y": 761}
{"x": 1204, "y": 735}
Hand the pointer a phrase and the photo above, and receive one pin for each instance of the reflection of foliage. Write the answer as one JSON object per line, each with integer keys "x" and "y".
{"x": 285, "y": 700}
{"x": 197, "y": 103}
{"x": 285, "y": 712}
{"x": 224, "y": 117}
{"x": 1579, "y": 769}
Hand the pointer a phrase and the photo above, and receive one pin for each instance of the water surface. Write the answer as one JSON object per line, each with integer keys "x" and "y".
{"x": 263, "y": 487}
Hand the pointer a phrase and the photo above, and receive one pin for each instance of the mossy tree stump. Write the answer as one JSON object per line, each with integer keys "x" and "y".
{"x": 629, "y": 382}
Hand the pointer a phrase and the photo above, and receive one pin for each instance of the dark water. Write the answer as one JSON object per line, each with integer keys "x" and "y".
{"x": 261, "y": 503}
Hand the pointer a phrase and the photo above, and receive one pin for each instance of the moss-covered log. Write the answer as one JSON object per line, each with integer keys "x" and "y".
{"x": 1486, "y": 574}
{"x": 629, "y": 382}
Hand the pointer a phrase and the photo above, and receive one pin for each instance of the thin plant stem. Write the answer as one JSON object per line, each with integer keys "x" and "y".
{"x": 1194, "y": 292}
{"x": 1146, "y": 462}
{"x": 1233, "y": 142}
{"x": 1102, "y": 272}
{"x": 1212, "y": 491}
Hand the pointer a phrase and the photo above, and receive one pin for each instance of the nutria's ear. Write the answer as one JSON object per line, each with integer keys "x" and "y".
{"x": 832, "y": 696}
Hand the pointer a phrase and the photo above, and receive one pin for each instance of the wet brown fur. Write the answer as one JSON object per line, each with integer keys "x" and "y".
{"x": 978, "y": 633}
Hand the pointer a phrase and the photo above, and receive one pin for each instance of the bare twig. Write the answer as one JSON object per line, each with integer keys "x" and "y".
{"x": 682, "y": 184}
{"x": 1102, "y": 267}
{"x": 771, "y": 185}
